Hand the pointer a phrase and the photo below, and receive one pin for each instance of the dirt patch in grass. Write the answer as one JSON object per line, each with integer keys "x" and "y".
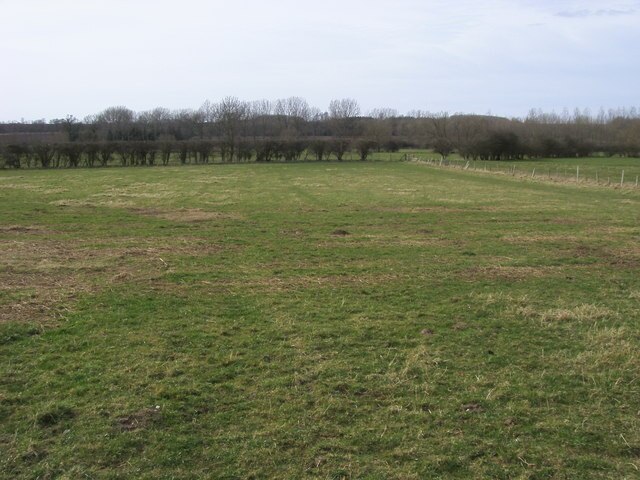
{"x": 55, "y": 416}
{"x": 74, "y": 202}
{"x": 295, "y": 233}
{"x": 138, "y": 420}
{"x": 187, "y": 215}
{"x": 40, "y": 280}
{"x": 581, "y": 251}
{"x": 509, "y": 272}
{"x": 625, "y": 257}
{"x": 35, "y": 281}
{"x": 472, "y": 408}
{"x": 29, "y": 229}
{"x": 44, "y": 305}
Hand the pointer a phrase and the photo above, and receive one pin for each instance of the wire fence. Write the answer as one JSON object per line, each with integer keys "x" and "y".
{"x": 554, "y": 173}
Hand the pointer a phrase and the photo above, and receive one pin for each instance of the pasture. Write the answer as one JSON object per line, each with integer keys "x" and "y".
{"x": 317, "y": 320}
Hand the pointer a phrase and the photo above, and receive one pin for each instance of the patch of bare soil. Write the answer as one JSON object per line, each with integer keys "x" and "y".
{"x": 138, "y": 420}
{"x": 472, "y": 408}
{"x": 32, "y": 229}
{"x": 40, "y": 280}
{"x": 295, "y": 233}
{"x": 623, "y": 257}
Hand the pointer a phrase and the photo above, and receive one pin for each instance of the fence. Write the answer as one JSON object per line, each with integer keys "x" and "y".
{"x": 554, "y": 173}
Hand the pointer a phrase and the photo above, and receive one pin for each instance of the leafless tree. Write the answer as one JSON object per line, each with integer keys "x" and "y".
{"x": 344, "y": 114}
{"x": 230, "y": 114}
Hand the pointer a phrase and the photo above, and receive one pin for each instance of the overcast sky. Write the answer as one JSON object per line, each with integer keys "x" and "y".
{"x": 62, "y": 57}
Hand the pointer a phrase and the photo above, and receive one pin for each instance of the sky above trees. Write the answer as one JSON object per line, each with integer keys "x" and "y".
{"x": 64, "y": 57}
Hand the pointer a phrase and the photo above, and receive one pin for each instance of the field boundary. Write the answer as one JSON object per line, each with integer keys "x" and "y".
{"x": 542, "y": 174}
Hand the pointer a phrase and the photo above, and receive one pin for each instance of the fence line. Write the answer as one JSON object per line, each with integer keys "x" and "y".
{"x": 577, "y": 177}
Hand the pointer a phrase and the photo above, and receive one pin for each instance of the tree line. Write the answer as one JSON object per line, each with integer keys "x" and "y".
{"x": 289, "y": 129}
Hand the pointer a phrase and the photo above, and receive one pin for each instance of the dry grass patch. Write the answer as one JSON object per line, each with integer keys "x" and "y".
{"x": 419, "y": 362}
{"x": 564, "y": 221}
{"x": 615, "y": 347}
{"x": 626, "y": 257}
{"x": 510, "y": 273}
{"x": 186, "y": 214}
{"x": 35, "y": 188}
{"x": 581, "y": 313}
{"x": 534, "y": 238}
{"x": 31, "y": 229}
{"x": 609, "y": 230}
{"x": 41, "y": 279}
{"x": 115, "y": 203}
{"x": 119, "y": 195}
{"x": 420, "y": 241}
{"x": 442, "y": 209}
{"x": 299, "y": 283}
{"x": 488, "y": 299}
{"x": 521, "y": 307}
{"x": 515, "y": 305}
{"x": 526, "y": 312}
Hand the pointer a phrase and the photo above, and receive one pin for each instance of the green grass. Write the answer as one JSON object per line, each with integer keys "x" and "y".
{"x": 319, "y": 320}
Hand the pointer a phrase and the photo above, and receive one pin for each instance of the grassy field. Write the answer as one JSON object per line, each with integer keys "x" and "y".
{"x": 320, "y": 320}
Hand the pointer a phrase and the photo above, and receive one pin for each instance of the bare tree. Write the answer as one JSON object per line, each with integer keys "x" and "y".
{"x": 344, "y": 114}
{"x": 260, "y": 112}
{"x": 117, "y": 122}
{"x": 230, "y": 114}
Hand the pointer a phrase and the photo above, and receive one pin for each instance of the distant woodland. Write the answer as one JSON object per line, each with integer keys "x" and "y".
{"x": 233, "y": 130}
